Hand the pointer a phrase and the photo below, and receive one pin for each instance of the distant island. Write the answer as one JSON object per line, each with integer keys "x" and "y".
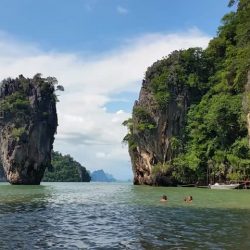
{"x": 65, "y": 169}
{"x": 101, "y": 176}
{"x": 191, "y": 122}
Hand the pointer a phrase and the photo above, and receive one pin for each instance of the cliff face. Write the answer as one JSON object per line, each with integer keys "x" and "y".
{"x": 27, "y": 126}
{"x": 191, "y": 123}
{"x": 83, "y": 174}
{"x": 158, "y": 122}
{"x": 155, "y": 146}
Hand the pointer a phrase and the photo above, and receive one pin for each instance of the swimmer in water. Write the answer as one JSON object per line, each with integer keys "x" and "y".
{"x": 164, "y": 198}
{"x": 188, "y": 199}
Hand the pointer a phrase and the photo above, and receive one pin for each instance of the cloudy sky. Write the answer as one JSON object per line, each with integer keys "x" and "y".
{"x": 99, "y": 51}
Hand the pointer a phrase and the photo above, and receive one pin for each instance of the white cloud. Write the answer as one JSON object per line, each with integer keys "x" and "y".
{"x": 121, "y": 10}
{"x": 86, "y": 127}
{"x": 102, "y": 155}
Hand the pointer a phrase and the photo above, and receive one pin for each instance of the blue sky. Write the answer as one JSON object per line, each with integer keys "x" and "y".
{"x": 98, "y": 25}
{"x": 99, "y": 50}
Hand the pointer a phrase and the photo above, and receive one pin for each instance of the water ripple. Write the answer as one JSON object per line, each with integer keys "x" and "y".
{"x": 120, "y": 216}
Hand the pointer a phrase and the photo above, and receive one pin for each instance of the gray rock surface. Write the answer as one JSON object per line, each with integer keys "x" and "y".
{"x": 155, "y": 146}
{"x": 27, "y": 127}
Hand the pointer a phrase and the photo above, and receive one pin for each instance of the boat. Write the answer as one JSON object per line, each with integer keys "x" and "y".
{"x": 224, "y": 186}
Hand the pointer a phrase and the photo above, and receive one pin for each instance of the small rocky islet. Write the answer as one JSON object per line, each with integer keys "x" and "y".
{"x": 28, "y": 123}
{"x": 27, "y": 127}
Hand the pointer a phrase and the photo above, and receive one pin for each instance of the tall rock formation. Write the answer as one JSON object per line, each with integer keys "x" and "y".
{"x": 159, "y": 115}
{"x": 28, "y": 122}
{"x": 154, "y": 143}
{"x": 191, "y": 123}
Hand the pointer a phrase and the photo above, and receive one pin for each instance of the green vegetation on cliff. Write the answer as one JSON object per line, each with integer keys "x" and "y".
{"x": 65, "y": 169}
{"x": 181, "y": 69}
{"x": 28, "y": 123}
{"x": 18, "y": 104}
{"x": 212, "y": 141}
{"x": 15, "y": 100}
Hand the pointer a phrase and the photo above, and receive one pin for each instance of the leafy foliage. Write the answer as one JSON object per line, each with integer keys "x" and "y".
{"x": 214, "y": 143}
{"x": 129, "y": 138}
{"x": 14, "y": 101}
{"x": 66, "y": 169}
{"x": 18, "y": 132}
{"x": 144, "y": 119}
{"x": 161, "y": 168}
{"x": 216, "y": 127}
{"x": 186, "y": 69}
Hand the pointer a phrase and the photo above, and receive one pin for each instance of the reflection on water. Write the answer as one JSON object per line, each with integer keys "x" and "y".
{"x": 20, "y": 198}
{"x": 121, "y": 216}
{"x": 23, "y": 215}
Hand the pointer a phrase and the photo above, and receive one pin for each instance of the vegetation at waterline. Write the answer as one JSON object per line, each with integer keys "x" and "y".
{"x": 66, "y": 169}
{"x": 213, "y": 139}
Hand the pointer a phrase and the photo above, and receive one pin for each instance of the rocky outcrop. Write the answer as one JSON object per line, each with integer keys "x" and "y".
{"x": 191, "y": 123}
{"x": 83, "y": 174}
{"x": 159, "y": 118}
{"x": 154, "y": 145}
{"x": 27, "y": 126}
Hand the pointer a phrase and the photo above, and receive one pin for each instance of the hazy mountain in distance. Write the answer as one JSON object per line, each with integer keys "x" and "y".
{"x": 100, "y": 175}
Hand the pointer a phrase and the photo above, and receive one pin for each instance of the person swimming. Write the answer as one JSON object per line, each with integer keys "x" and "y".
{"x": 188, "y": 199}
{"x": 164, "y": 198}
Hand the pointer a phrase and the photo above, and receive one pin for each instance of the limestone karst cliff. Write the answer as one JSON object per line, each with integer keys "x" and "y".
{"x": 28, "y": 122}
{"x": 159, "y": 115}
{"x": 191, "y": 121}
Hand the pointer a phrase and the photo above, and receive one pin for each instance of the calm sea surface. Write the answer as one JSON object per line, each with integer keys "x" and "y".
{"x": 122, "y": 216}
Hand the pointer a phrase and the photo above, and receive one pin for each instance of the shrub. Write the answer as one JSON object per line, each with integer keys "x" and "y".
{"x": 17, "y": 133}
{"x": 160, "y": 168}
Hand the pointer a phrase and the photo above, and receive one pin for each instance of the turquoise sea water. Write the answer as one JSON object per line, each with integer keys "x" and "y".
{"x": 122, "y": 216}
